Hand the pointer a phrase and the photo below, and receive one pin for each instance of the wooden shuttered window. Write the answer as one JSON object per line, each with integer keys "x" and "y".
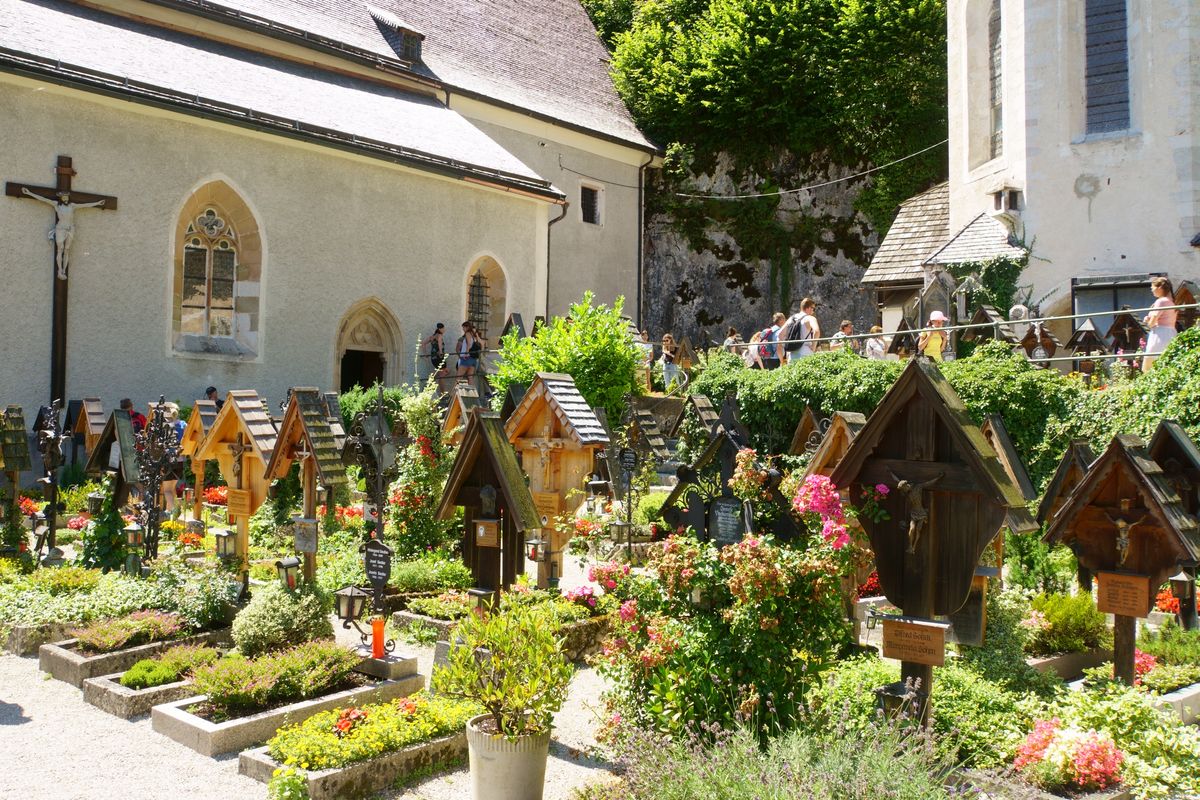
{"x": 1107, "y": 68}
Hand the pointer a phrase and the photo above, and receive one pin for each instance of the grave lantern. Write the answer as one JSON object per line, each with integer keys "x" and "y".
{"x": 481, "y": 601}
{"x": 349, "y": 603}
{"x": 289, "y": 570}
{"x": 597, "y": 492}
{"x": 226, "y": 544}
{"x": 1182, "y": 586}
{"x": 135, "y": 535}
{"x": 95, "y": 503}
{"x": 539, "y": 550}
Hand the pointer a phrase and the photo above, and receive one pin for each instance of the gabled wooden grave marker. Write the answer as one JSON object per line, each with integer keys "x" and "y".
{"x": 1173, "y": 450}
{"x": 702, "y": 409}
{"x": 904, "y": 341}
{"x": 116, "y": 452}
{"x": 949, "y": 498}
{"x": 487, "y": 483}
{"x": 90, "y": 423}
{"x": 1126, "y": 332}
{"x": 306, "y": 435}
{"x": 14, "y": 457}
{"x": 1126, "y": 523}
{"x": 843, "y": 427}
{"x": 465, "y": 398}
{"x": 996, "y": 327}
{"x": 204, "y": 413}
{"x": 242, "y": 440}
{"x": 645, "y": 436}
{"x": 558, "y": 437}
{"x": 809, "y": 431}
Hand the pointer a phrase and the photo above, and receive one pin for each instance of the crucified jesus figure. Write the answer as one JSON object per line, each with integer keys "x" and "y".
{"x": 918, "y": 514}
{"x": 63, "y": 231}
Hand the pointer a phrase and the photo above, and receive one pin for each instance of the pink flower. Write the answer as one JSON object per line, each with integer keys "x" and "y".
{"x": 882, "y": 488}
{"x": 628, "y": 610}
{"x": 610, "y": 584}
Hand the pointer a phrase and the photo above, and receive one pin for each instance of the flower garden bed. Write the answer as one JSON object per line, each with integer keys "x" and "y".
{"x": 106, "y": 693}
{"x": 65, "y": 662}
{"x": 1070, "y": 665}
{"x": 364, "y": 778}
{"x": 209, "y": 738}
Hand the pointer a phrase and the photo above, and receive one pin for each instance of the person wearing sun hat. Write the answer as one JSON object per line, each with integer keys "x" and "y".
{"x": 932, "y": 343}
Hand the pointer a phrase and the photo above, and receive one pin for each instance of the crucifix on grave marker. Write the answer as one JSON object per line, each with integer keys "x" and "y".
{"x": 65, "y": 201}
{"x": 952, "y": 496}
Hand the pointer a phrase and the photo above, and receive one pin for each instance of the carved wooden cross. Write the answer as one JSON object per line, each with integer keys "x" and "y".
{"x": 1124, "y": 520}
{"x": 238, "y": 449}
{"x": 64, "y": 200}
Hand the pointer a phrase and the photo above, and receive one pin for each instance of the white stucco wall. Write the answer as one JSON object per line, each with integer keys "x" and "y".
{"x": 336, "y": 228}
{"x": 602, "y": 258}
{"x": 1113, "y": 204}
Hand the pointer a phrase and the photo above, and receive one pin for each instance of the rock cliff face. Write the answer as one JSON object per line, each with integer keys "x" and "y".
{"x": 710, "y": 264}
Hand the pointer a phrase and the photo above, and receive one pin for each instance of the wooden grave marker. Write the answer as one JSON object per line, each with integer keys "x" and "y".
{"x": 116, "y": 452}
{"x": 465, "y": 398}
{"x": 699, "y": 407}
{"x": 486, "y": 465}
{"x": 14, "y": 456}
{"x": 996, "y": 327}
{"x": 204, "y": 413}
{"x": 1125, "y": 519}
{"x": 843, "y": 427}
{"x": 90, "y": 423}
{"x": 558, "y": 437}
{"x": 950, "y": 497}
{"x": 808, "y": 433}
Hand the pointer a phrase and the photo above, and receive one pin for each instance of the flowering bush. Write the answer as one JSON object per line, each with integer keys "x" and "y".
{"x": 749, "y": 481}
{"x": 612, "y": 577}
{"x": 818, "y": 497}
{"x": 216, "y": 495}
{"x": 870, "y": 587}
{"x": 585, "y": 532}
{"x": 1166, "y": 602}
{"x": 347, "y": 719}
{"x": 1142, "y": 663}
{"x": 872, "y": 496}
{"x": 28, "y": 506}
{"x": 581, "y": 595}
{"x": 78, "y": 523}
{"x": 1057, "y": 757}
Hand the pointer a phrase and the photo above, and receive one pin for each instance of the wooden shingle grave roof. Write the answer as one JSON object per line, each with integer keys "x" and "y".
{"x": 959, "y": 495}
{"x": 1074, "y": 465}
{"x": 244, "y": 425}
{"x": 1173, "y": 450}
{"x": 118, "y": 432}
{"x": 843, "y": 427}
{"x": 809, "y": 431}
{"x": 646, "y": 437}
{"x": 996, "y": 433}
{"x": 702, "y": 408}
{"x": 1036, "y": 334}
{"x": 305, "y": 428}
{"x": 1126, "y": 332}
{"x": 1086, "y": 340}
{"x": 904, "y": 341}
{"x": 512, "y": 398}
{"x": 998, "y": 327}
{"x": 556, "y": 393}
{"x": 90, "y": 422}
{"x": 465, "y": 398}
{"x": 204, "y": 413}
{"x": 14, "y": 442}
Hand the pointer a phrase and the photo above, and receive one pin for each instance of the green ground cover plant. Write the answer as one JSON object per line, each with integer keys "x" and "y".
{"x": 238, "y": 684}
{"x": 347, "y": 736}
{"x": 455, "y": 605}
{"x": 1171, "y": 644}
{"x": 1063, "y": 623}
{"x": 168, "y": 667}
{"x": 1166, "y": 678}
{"x": 278, "y": 617}
{"x": 140, "y": 627}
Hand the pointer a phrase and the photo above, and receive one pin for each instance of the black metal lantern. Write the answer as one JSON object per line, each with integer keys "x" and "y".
{"x": 481, "y": 600}
{"x": 349, "y": 604}
{"x": 226, "y": 543}
{"x": 538, "y": 549}
{"x": 289, "y": 571}
{"x": 1183, "y": 586}
{"x": 135, "y": 535}
{"x": 95, "y": 503}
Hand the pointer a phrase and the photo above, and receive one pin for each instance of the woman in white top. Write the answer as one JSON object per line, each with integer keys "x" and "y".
{"x": 1160, "y": 322}
{"x": 875, "y": 348}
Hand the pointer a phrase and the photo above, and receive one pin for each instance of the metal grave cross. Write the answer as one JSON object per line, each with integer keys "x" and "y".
{"x": 64, "y": 200}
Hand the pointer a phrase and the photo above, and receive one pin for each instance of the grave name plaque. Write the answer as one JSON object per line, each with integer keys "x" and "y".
{"x": 918, "y": 641}
{"x": 726, "y": 522}
{"x": 628, "y": 459}
{"x": 1123, "y": 593}
{"x": 377, "y": 563}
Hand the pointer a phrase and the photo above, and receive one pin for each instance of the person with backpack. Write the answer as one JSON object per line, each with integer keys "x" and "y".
{"x": 799, "y": 331}
{"x": 436, "y": 342}
{"x": 469, "y": 350}
{"x": 770, "y": 349}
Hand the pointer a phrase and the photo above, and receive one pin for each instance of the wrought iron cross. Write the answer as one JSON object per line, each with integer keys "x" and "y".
{"x": 65, "y": 201}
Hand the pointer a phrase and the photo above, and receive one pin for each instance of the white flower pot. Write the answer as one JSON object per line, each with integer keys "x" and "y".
{"x": 504, "y": 770}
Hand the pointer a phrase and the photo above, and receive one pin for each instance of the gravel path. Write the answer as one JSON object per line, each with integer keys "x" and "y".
{"x": 57, "y": 747}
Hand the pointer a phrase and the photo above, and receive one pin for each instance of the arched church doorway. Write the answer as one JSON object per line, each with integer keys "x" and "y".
{"x": 369, "y": 345}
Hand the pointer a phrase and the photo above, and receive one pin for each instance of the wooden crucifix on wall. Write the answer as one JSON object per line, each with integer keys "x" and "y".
{"x": 65, "y": 201}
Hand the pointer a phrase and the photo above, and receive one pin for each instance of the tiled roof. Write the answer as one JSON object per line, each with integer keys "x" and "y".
{"x": 922, "y": 226}
{"x": 541, "y": 56}
{"x": 102, "y": 51}
{"x": 980, "y": 239}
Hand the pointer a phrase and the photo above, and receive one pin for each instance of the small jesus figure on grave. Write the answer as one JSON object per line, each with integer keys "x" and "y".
{"x": 63, "y": 232}
{"x": 918, "y": 514}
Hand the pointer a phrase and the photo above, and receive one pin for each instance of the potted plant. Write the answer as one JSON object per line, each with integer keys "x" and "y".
{"x": 511, "y": 663}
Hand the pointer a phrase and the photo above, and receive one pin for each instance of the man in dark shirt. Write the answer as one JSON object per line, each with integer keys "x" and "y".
{"x": 139, "y": 419}
{"x": 211, "y": 394}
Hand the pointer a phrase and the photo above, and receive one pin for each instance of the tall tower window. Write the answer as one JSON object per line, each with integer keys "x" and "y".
{"x": 1106, "y": 72}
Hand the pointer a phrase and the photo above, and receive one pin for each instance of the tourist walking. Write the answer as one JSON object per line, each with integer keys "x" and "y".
{"x": 671, "y": 371}
{"x": 771, "y": 349}
{"x": 753, "y": 355}
{"x": 1160, "y": 321}
{"x": 800, "y": 331}
{"x": 137, "y": 417}
{"x": 876, "y": 347}
{"x": 436, "y": 351}
{"x": 840, "y": 339}
{"x": 468, "y": 350}
{"x": 931, "y": 343}
{"x": 732, "y": 340}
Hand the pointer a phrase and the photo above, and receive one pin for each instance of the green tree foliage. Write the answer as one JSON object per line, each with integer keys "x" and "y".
{"x": 592, "y": 345}
{"x": 104, "y": 539}
{"x": 847, "y": 81}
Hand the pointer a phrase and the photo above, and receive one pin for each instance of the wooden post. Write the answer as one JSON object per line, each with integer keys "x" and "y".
{"x": 308, "y": 476}
{"x": 1124, "y": 638}
{"x": 198, "y": 499}
{"x": 920, "y": 568}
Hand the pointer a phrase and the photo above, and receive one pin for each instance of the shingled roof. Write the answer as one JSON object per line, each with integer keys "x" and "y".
{"x": 980, "y": 239}
{"x": 14, "y": 441}
{"x": 921, "y": 227}
{"x": 97, "y": 51}
{"x": 306, "y": 418}
{"x": 568, "y": 405}
{"x": 541, "y": 57}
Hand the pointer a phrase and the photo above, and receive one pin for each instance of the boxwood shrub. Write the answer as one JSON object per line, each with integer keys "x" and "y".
{"x": 277, "y": 617}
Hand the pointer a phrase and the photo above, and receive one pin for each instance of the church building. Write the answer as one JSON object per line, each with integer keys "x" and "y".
{"x": 270, "y": 193}
{"x": 1074, "y": 146}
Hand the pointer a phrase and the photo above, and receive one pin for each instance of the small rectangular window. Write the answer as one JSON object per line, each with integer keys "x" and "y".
{"x": 589, "y": 204}
{"x": 1106, "y": 72}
